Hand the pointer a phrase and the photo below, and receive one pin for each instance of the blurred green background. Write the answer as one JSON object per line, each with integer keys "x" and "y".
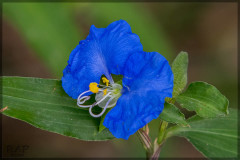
{"x": 38, "y": 38}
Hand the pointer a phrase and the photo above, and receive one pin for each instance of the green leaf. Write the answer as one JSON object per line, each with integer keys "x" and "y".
{"x": 213, "y": 137}
{"x": 205, "y": 99}
{"x": 44, "y": 104}
{"x": 179, "y": 68}
{"x": 101, "y": 126}
{"x": 48, "y": 28}
{"x": 172, "y": 114}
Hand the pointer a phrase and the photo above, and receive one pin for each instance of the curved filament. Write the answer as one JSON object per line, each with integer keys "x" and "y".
{"x": 82, "y": 99}
{"x": 104, "y": 109}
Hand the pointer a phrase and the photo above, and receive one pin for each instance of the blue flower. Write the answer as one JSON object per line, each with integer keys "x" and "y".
{"x": 104, "y": 51}
{"x": 147, "y": 81}
{"x": 147, "y": 78}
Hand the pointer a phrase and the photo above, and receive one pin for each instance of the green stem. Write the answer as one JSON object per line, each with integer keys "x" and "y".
{"x": 159, "y": 140}
{"x": 152, "y": 154}
{"x": 162, "y": 131}
{"x": 156, "y": 152}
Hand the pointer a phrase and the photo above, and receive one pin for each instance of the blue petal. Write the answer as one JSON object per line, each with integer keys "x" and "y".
{"x": 147, "y": 81}
{"x": 104, "y": 51}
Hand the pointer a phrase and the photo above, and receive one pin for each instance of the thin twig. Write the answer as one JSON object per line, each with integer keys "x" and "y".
{"x": 145, "y": 139}
{"x": 3, "y": 109}
{"x": 147, "y": 129}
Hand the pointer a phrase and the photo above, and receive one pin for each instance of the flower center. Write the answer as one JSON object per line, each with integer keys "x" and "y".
{"x": 106, "y": 96}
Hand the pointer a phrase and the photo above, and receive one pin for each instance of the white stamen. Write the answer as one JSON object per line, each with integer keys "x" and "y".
{"x": 104, "y": 109}
{"x": 83, "y": 99}
{"x": 104, "y": 101}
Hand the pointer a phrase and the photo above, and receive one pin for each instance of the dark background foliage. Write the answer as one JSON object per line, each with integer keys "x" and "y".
{"x": 38, "y": 38}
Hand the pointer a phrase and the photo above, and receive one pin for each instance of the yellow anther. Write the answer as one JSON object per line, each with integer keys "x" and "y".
{"x": 104, "y": 92}
{"x": 105, "y": 80}
{"x": 93, "y": 87}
